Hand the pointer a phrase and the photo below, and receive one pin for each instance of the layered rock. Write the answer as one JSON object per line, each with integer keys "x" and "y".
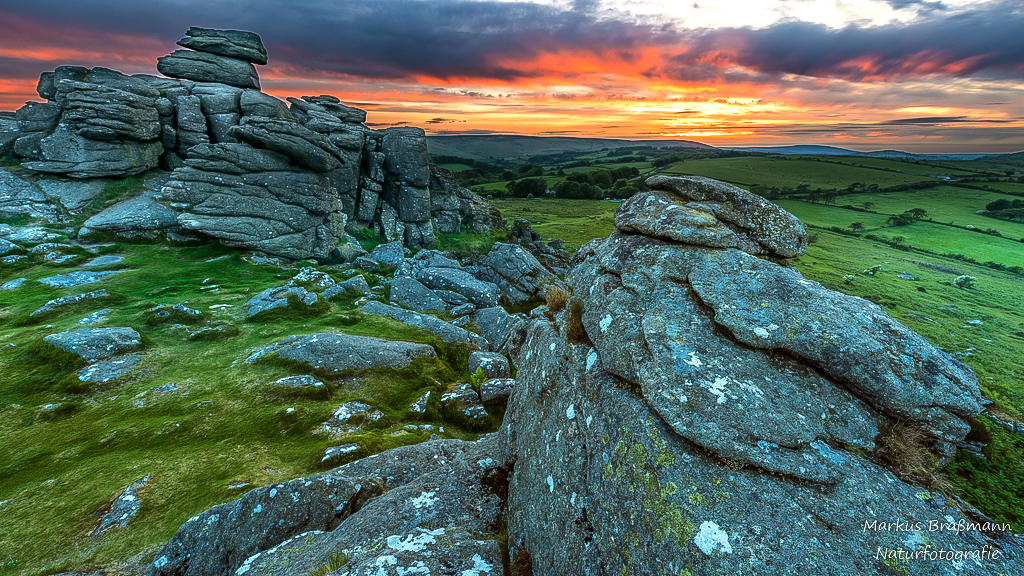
{"x": 299, "y": 172}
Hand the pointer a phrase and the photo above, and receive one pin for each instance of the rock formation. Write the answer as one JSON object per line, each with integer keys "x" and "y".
{"x": 695, "y": 409}
{"x": 286, "y": 178}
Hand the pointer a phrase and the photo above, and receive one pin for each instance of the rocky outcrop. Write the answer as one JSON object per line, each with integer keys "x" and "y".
{"x": 708, "y": 412}
{"x": 285, "y": 178}
{"x": 517, "y": 273}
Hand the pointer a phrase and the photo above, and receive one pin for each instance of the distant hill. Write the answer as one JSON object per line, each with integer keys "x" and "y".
{"x": 489, "y": 147}
{"x": 836, "y": 151}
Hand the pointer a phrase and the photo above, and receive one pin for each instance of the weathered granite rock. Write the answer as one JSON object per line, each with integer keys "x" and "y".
{"x": 405, "y": 158}
{"x": 314, "y": 277}
{"x": 389, "y": 253}
{"x": 72, "y": 195}
{"x": 38, "y": 117}
{"x": 444, "y": 330}
{"x": 69, "y": 153}
{"x": 337, "y": 353}
{"x": 232, "y": 43}
{"x": 219, "y": 540}
{"x": 123, "y": 508}
{"x": 76, "y": 278}
{"x": 9, "y": 133}
{"x": 354, "y": 284}
{"x": 552, "y": 253}
{"x": 305, "y": 147}
{"x": 426, "y": 522}
{"x": 494, "y": 365}
{"x": 29, "y": 234}
{"x": 256, "y": 103}
{"x": 284, "y": 213}
{"x": 207, "y": 67}
{"x": 93, "y": 344}
{"x": 758, "y": 220}
{"x": 191, "y": 124}
{"x": 642, "y": 496}
{"x": 480, "y": 293}
{"x": 407, "y": 291}
{"x": 328, "y": 105}
{"x": 295, "y": 527}
{"x": 107, "y": 370}
{"x": 516, "y": 272}
{"x": 105, "y": 113}
{"x": 496, "y": 390}
{"x": 497, "y": 326}
{"x": 139, "y": 215}
{"x": 11, "y": 284}
{"x": 65, "y": 300}
{"x": 23, "y": 198}
{"x": 278, "y": 298}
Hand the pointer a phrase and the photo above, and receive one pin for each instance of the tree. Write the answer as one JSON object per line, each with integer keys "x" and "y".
{"x": 857, "y": 226}
{"x": 899, "y": 240}
{"x": 869, "y": 205}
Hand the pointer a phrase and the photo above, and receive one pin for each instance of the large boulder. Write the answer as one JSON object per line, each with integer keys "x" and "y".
{"x": 141, "y": 215}
{"x": 9, "y": 133}
{"x": 639, "y": 495}
{"x": 20, "y": 197}
{"x": 687, "y": 213}
{"x": 246, "y": 46}
{"x": 207, "y": 67}
{"x": 336, "y": 353}
{"x": 481, "y": 293}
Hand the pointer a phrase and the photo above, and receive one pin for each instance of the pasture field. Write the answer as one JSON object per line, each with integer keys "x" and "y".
{"x": 906, "y": 166}
{"x": 574, "y": 221}
{"x": 782, "y": 171}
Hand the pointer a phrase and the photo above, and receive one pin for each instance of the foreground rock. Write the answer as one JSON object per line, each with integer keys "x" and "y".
{"x": 446, "y": 331}
{"x": 517, "y": 273}
{"x": 93, "y": 344}
{"x": 336, "y": 353}
{"x": 708, "y": 413}
{"x": 438, "y": 511}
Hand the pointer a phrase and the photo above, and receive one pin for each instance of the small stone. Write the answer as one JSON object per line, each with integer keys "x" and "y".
{"x": 494, "y": 365}
{"x": 93, "y": 344}
{"x": 122, "y": 508}
{"x": 13, "y": 284}
{"x": 103, "y": 261}
{"x": 496, "y": 390}
{"x": 76, "y": 278}
{"x": 107, "y": 370}
{"x": 304, "y": 381}
{"x": 337, "y": 451}
{"x": 95, "y": 316}
{"x": 420, "y": 406}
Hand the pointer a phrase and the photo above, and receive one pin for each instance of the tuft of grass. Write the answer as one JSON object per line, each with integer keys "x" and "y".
{"x": 334, "y": 562}
{"x": 905, "y": 450}
{"x": 555, "y": 298}
{"x": 575, "y": 332}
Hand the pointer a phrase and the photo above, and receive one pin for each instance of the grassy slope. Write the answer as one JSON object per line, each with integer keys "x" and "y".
{"x": 224, "y": 425}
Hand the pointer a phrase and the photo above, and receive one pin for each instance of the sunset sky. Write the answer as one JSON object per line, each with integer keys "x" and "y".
{"x": 918, "y": 75}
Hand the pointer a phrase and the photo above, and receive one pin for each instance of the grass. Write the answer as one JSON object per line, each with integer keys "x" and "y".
{"x": 784, "y": 171}
{"x": 223, "y": 425}
{"x": 574, "y": 221}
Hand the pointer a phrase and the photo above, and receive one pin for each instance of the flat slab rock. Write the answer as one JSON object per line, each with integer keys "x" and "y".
{"x": 122, "y": 508}
{"x": 93, "y": 344}
{"x": 443, "y": 330}
{"x": 76, "y": 278}
{"x": 337, "y": 353}
{"x": 65, "y": 300}
{"x": 107, "y": 370}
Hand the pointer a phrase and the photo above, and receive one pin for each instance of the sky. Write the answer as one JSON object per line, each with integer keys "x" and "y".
{"x": 915, "y": 75}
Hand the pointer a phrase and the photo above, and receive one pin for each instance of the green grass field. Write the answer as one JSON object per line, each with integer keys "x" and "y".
{"x": 223, "y": 425}
{"x": 905, "y": 166}
{"x": 574, "y": 221}
{"x": 782, "y": 171}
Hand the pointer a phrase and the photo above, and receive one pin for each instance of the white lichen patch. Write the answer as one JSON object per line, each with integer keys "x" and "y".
{"x": 605, "y": 323}
{"x": 718, "y": 388}
{"x": 711, "y": 538}
{"x": 570, "y": 412}
{"x": 761, "y": 332}
{"x": 591, "y": 359}
{"x": 551, "y": 484}
{"x": 414, "y": 542}
{"x": 424, "y": 499}
{"x": 694, "y": 360}
{"x": 480, "y": 567}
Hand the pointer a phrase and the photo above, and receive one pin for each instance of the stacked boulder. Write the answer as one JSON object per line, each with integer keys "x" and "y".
{"x": 286, "y": 178}
{"x": 709, "y": 412}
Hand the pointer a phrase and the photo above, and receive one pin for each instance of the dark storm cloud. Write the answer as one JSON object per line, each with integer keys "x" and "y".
{"x": 450, "y": 39}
